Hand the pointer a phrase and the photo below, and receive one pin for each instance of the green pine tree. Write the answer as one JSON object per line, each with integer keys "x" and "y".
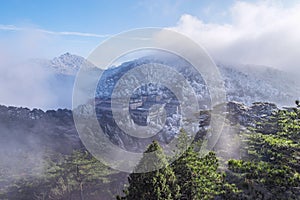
{"x": 154, "y": 185}
{"x": 271, "y": 167}
{"x": 198, "y": 178}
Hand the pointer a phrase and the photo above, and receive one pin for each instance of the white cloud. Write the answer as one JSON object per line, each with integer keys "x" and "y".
{"x": 9, "y": 28}
{"x": 4, "y": 27}
{"x": 22, "y": 83}
{"x": 261, "y": 33}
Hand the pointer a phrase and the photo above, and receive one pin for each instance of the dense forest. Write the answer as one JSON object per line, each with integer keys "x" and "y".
{"x": 268, "y": 168}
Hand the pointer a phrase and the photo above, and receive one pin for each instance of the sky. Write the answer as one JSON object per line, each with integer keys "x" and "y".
{"x": 79, "y": 26}
{"x": 227, "y": 29}
{"x": 259, "y": 32}
{"x": 57, "y": 26}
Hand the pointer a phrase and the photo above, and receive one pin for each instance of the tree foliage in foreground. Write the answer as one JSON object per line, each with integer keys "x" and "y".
{"x": 271, "y": 168}
{"x": 77, "y": 176}
{"x": 189, "y": 177}
{"x": 199, "y": 178}
{"x": 154, "y": 185}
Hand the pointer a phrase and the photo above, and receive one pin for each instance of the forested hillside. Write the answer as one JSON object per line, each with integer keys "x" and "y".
{"x": 257, "y": 157}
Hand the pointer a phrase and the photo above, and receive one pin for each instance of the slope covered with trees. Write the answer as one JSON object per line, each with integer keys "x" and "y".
{"x": 271, "y": 165}
{"x": 268, "y": 168}
{"x": 264, "y": 164}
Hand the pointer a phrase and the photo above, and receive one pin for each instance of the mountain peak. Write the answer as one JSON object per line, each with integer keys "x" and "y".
{"x": 69, "y": 64}
{"x": 66, "y": 54}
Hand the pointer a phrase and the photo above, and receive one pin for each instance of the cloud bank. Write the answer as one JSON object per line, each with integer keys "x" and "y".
{"x": 24, "y": 81}
{"x": 263, "y": 33}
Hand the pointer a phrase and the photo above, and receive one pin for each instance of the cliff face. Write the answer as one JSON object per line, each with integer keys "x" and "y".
{"x": 238, "y": 113}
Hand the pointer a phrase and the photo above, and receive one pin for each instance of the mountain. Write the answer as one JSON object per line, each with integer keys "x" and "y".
{"x": 22, "y": 128}
{"x": 243, "y": 83}
{"x": 58, "y": 79}
{"x": 253, "y": 83}
{"x": 38, "y": 134}
{"x": 66, "y": 64}
{"x": 30, "y": 136}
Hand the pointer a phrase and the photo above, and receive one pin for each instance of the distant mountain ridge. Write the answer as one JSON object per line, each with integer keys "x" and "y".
{"x": 246, "y": 84}
{"x": 243, "y": 83}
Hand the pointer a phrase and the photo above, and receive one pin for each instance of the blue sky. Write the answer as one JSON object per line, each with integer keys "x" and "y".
{"x": 46, "y": 29}
{"x": 101, "y": 17}
{"x": 105, "y": 17}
